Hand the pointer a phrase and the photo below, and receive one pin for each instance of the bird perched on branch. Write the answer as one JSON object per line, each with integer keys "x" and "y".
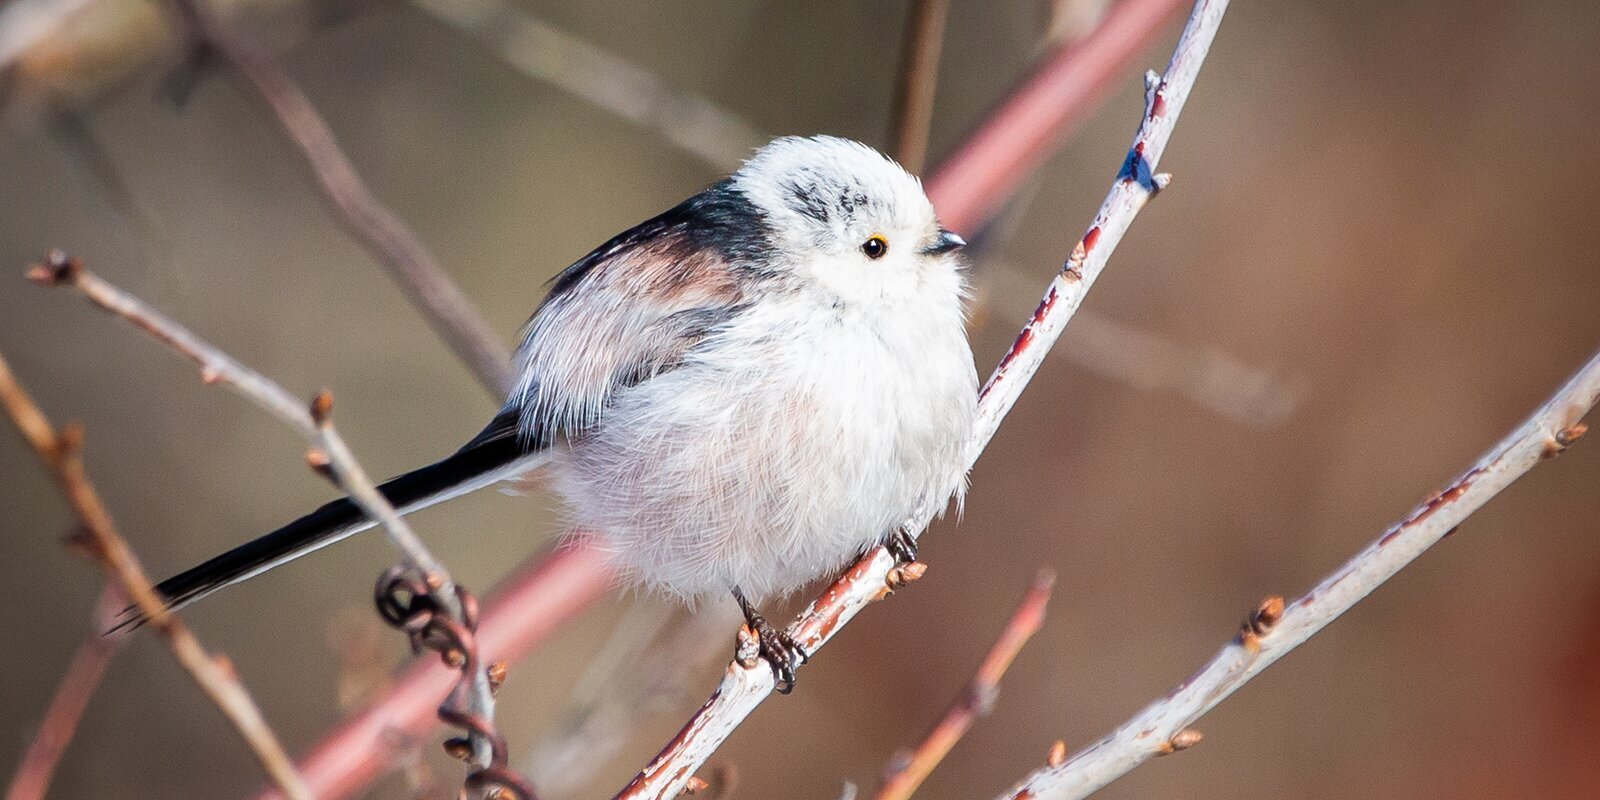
{"x": 738, "y": 395}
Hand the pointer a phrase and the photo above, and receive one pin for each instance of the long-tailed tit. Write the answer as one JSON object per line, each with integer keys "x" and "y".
{"x": 738, "y": 395}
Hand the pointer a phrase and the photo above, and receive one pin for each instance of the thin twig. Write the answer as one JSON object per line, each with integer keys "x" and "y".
{"x": 904, "y": 777}
{"x": 60, "y": 452}
{"x": 748, "y": 682}
{"x": 918, "y": 77}
{"x": 426, "y": 284}
{"x": 331, "y": 457}
{"x": 1276, "y": 628}
{"x": 78, "y": 683}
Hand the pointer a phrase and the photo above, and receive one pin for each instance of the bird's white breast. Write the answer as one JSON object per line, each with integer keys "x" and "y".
{"x": 795, "y": 438}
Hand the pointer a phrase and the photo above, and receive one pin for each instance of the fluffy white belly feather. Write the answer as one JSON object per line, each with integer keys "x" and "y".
{"x": 778, "y": 454}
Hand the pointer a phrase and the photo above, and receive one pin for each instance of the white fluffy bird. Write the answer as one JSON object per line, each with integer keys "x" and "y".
{"x": 738, "y": 395}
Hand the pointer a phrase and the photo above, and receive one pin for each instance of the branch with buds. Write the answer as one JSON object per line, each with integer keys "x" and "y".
{"x": 417, "y": 597}
{"x": 1277, "y": 628}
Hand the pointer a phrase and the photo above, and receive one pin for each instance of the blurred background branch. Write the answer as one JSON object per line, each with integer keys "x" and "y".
{"x": 448, "y": 621}
{"x": 84, "y": 672}
{"x": 544, "y": 52}
{"x": 525, "y": 610}
{"x": 61, "y": 455}
{"x": 911, "y": 117}
{"x": 906, "y": 772}
{"x": 448, "y": 311}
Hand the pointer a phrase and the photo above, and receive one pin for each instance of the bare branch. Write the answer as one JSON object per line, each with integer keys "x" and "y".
{"x": 446, "y": 624}
{"x": 38, "y": 766}
{"x": 60, "y": 453}
{"x": 1276, "y": 628}
{"x": 426, "y": 284}
{"x": 748, "y": 682}
{"x": 918, "y": 77}
{"x": 905, "y": 776}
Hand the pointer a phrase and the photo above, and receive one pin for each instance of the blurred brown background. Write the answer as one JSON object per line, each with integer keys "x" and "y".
{"x": 1382, "y": 216}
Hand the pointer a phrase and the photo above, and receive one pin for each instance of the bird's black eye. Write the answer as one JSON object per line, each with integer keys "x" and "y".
{"x": 875, "y": 247}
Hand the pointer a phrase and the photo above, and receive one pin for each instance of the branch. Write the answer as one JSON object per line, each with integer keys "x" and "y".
{"x": 61, "y": 455}
{"x": 903, "y": 778}
{"x": 748, "y": 681}
{"x": 431, "y": 608}
{"x": 1277, "y": 629}
{"x": 424, "y": 281}
{"x": 912, "y": 113}
{"x": 61, "y": 718}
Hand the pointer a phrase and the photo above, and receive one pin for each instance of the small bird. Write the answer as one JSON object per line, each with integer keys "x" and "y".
{"x": 739, "y": 395}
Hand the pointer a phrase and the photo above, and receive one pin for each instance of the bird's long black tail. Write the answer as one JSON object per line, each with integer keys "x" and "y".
{"x": 496, "y": 454}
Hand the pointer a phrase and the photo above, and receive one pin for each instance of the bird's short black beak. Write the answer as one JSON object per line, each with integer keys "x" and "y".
{"x": 946, "y": 242}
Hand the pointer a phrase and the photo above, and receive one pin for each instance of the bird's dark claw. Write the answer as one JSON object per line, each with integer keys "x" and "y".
{"x": 781, "y": 651}
{"x": 778, "y": 648}
{"x": 902, "y": 545}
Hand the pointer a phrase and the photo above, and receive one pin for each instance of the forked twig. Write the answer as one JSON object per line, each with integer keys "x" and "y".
{"x": 425, "y": 282}
{"x": 61, "y": 454}
{"x": 747, "y": 681}
{"x": 420, "y": 597}
{"x": 903, "y": 778}
{"x": 1276, "y": 628}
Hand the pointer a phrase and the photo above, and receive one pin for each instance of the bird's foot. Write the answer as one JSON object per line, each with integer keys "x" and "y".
{"x": 780, "y": 650}
{"x": 902, "y": 545}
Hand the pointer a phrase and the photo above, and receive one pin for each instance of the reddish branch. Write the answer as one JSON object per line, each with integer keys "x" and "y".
{"x": 61, "y": 718}
{"x": 423, "y": 279}
{"x": 541, "y": 596}
{"x": 904, "y": 777}
{"x": 61, "y": 455}
{"x": 1060, "y": 93}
